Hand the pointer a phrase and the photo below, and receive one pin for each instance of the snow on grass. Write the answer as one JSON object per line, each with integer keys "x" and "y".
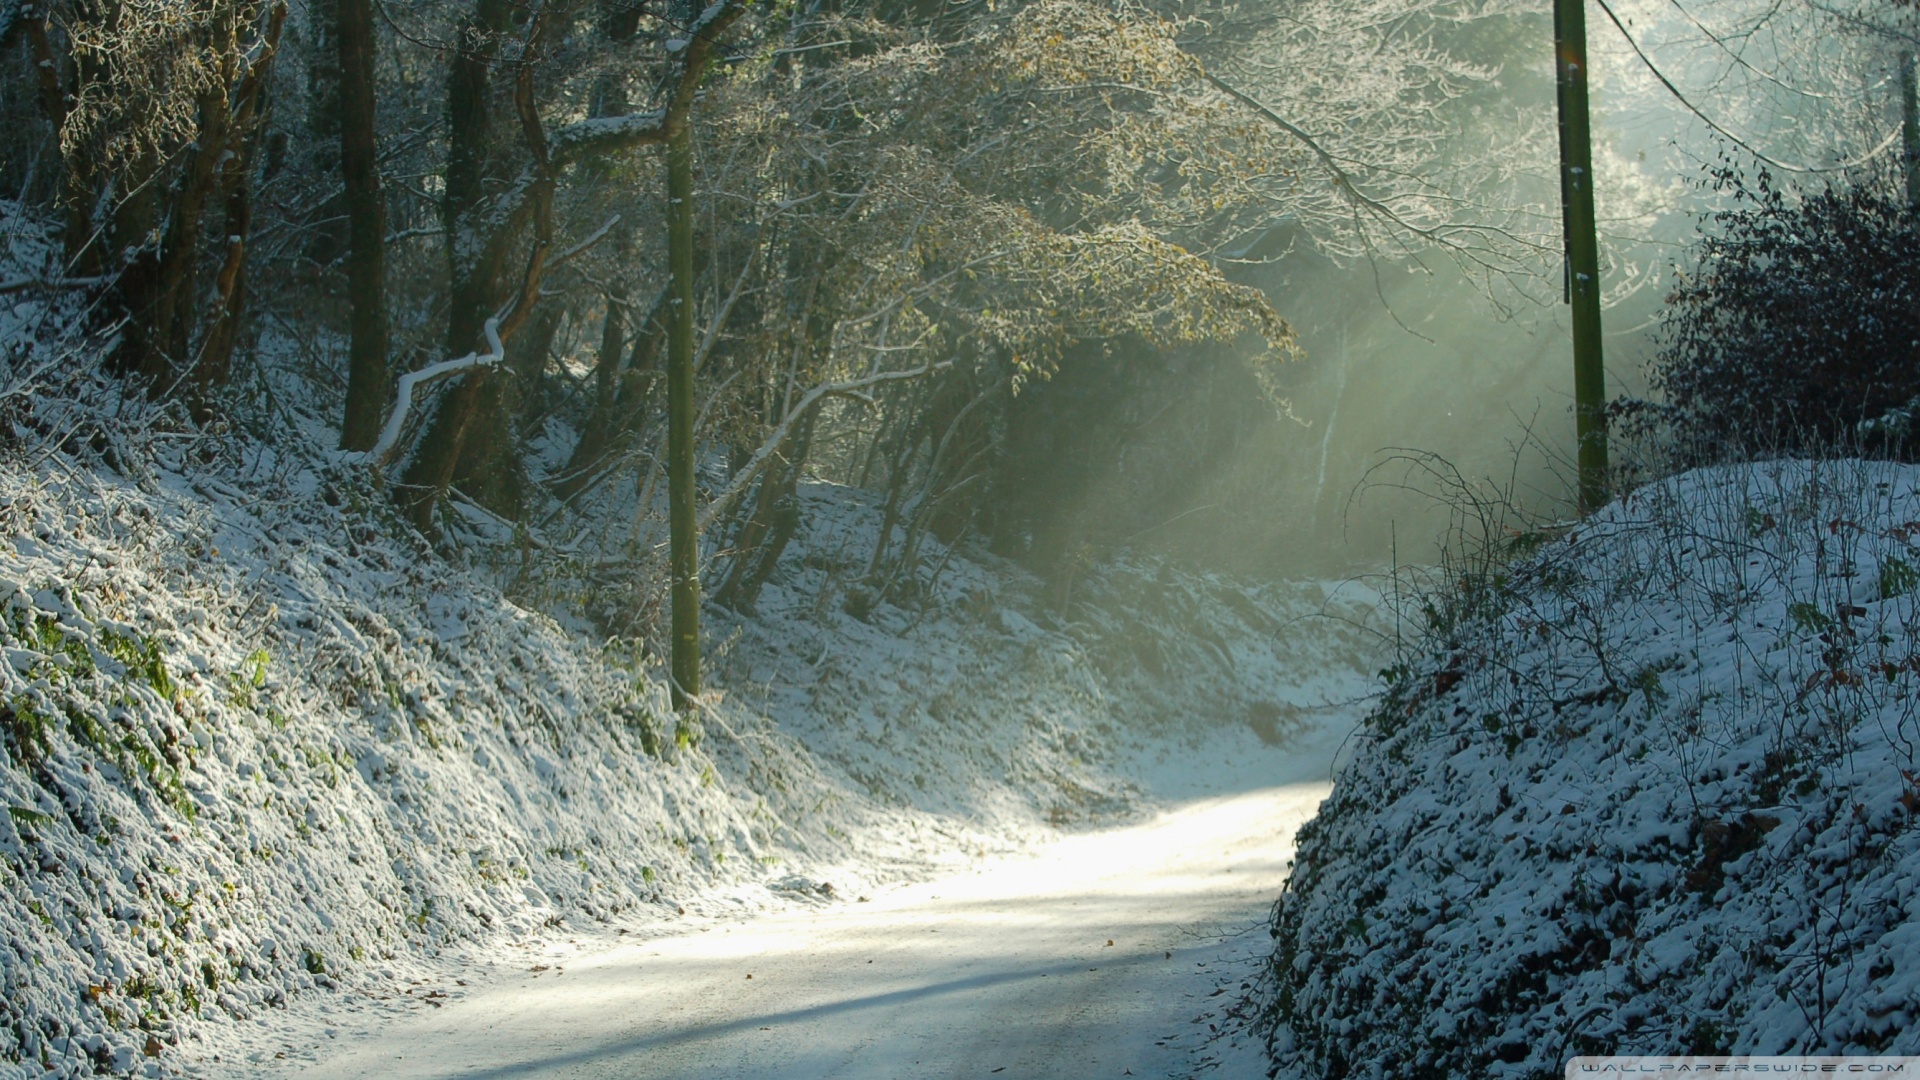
{"x": 253, "y": 749}
{"x": 270, "y": 768}
{"x": 979, "y": 694}
{"x": 1650, "y": 790}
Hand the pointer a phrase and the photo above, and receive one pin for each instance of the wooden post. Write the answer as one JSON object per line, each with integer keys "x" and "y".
{"x": 1582, "y": 250}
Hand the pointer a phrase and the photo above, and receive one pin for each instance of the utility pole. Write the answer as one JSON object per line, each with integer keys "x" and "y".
{"x": 1582, "y": 249}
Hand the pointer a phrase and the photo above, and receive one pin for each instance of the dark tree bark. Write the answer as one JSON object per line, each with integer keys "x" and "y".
{"x": 683, "y": 533}
{"x": 473, "y": 275}
{"x": 481, "y": 232}
{"x": 491, "y": 469}
{"x": 366, "y": 228}
{"x": 230, "y": 283}
{"x": 622, "y": 392}
{"x": 475, "y": 257}
{"x": 159, "y": 291}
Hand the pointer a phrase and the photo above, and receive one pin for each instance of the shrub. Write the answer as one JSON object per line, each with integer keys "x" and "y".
{"x": 1797, "y": 330}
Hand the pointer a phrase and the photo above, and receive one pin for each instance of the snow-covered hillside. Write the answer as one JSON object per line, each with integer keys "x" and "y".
{"x": 1653, "y": 789}
{"x": 262, "y": 753}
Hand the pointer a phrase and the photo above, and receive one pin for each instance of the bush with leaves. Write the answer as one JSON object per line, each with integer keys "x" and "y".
{"x": 1796, "y": 331}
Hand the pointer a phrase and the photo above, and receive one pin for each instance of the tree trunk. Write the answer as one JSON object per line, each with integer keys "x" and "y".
{"x": 620, "y": 409}
{"x": 683, "y": 536}
{"x": 83, "y": 255}
{"x": 775, "y": 520}
{"x": 366, "y": 228}
{"x": 1910, "y": 127}
{"x": 215, "y": 363}
{"x": 475, "y": 257}
{"x": 490, "y": 469}
{"x": 160, "y": 288}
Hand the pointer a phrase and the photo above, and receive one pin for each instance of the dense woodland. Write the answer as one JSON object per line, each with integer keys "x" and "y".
{"x": 609, "y": 272}
{"x": 543, "y": 328}
{"x": 980, "y": 258}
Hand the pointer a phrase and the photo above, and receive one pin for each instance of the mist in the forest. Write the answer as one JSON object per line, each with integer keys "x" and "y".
{"x": 1420, "y": 378}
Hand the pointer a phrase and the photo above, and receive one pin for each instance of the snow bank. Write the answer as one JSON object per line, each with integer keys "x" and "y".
{"x": 990, "y": 695}
{"x": 1651, "y": 790}
{"x": 266, "y": 766}
{"x": 252, "y": 749}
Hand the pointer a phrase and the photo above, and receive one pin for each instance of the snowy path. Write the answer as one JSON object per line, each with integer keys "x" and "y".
{"x": 1107, "y": 954}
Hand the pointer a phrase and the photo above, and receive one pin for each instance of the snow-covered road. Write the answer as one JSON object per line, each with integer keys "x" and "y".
{"x": 1107, "y": 954}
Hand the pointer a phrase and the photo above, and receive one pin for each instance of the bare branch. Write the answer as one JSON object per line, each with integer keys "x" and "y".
{"x": 744, "y": 478}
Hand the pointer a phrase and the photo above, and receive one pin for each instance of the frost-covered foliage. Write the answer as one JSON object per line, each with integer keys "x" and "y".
{"x": 260, "y": 753}
{"x": 1799, "y": 323}
{"x": 891, "y": 690}
{"x": 1658, "y": 794}
{"x": 251, "y": 748}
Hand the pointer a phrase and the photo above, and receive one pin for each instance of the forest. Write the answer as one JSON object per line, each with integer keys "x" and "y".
{"x": 490, "y": 484}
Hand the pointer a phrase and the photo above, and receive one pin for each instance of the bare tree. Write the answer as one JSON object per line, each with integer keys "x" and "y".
{"x": 159, "y": 109}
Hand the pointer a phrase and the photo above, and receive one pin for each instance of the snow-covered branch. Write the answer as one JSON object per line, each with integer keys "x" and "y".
{"x": 403, "y": 398}
{"x": 607, "y": 134}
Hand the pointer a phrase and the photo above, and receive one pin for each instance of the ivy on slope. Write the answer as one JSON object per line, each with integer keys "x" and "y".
{"x": 1652, "y": 790}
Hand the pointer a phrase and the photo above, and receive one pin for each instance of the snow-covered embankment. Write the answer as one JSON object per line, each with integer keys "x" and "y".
{"x": 264, "y": 758}
{"x": 1652, "y": 789}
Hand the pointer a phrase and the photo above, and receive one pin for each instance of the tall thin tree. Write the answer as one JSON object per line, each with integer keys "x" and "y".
{"x": 366, "y": 228}
{"x": 683, "y": 536}
{"x": 1910, "y": 126}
